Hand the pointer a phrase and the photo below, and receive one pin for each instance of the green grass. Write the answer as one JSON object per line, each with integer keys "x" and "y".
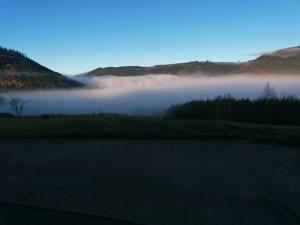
{"x": 131, "y": 127}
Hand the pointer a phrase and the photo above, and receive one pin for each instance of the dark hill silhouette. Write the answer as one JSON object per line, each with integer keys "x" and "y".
{"x": 209, "y": 68}
{"x": 285, "y": 61}
{"x": 18, "y": 72}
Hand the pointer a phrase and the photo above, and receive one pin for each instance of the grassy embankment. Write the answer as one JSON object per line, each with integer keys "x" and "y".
{"x": 131, "y": 127}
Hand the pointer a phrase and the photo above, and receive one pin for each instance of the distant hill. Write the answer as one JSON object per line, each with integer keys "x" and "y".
{"x": 209, "y": 68}
{"x": 18, "y": 72}
{"x": 285, "y": 61}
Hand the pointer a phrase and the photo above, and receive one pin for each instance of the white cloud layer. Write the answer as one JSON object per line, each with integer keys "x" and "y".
{"x": 151, "y": 94}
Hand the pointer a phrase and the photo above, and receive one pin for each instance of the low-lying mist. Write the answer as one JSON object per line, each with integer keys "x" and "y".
{"x": 148, "y": 95}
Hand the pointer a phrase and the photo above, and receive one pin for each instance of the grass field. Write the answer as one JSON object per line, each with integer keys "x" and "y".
{"x": 131, "y": 127}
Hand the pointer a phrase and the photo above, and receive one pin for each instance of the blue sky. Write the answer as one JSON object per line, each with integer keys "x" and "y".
{"x": 74, "y": 36}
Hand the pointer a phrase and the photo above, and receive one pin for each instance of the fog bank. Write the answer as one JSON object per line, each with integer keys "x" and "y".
{"x": 149, "y": 95}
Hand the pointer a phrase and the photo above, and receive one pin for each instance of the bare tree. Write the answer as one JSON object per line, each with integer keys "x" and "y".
{"x": 17, "y": 106}
{"x": 269, "y": 93}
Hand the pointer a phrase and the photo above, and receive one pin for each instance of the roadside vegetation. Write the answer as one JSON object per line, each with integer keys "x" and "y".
{"x": 132, "y": 127}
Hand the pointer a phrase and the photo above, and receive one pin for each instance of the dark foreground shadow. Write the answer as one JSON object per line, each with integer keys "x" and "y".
{"x": 19, "y": 215}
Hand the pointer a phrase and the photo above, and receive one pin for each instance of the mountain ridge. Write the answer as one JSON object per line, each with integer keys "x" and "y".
{"x": 283, "y": 61}
{"x": 188, "y": 68}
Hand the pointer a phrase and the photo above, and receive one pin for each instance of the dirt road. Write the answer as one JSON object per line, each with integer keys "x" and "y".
{"x": 148, "y": 182}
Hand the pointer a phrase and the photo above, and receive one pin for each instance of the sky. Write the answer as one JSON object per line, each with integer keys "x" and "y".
{"x": 76, "y": 36}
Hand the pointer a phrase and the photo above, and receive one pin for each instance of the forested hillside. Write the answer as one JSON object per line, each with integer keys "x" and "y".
{"x": 18, "y": 72}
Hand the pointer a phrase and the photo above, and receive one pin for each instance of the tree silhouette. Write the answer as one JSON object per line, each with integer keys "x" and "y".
{"x": 17, "y": 106}
{"x": 269, "y": 93}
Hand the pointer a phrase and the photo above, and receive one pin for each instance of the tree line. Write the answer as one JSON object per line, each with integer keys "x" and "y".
{"x": 6, "y": 52}
{"x": 269, "y": 108}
